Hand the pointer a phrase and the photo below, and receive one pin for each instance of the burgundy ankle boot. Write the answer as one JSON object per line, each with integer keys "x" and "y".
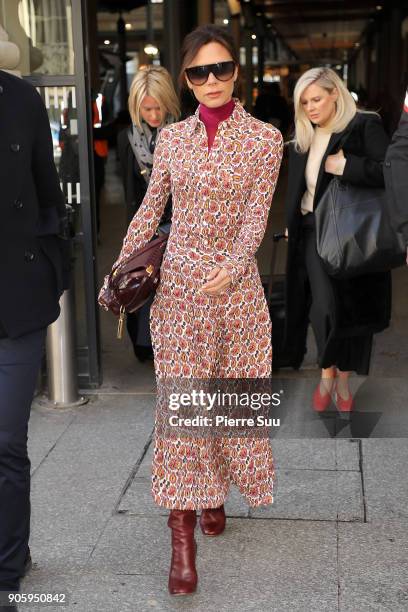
{"x": 183, "y": 573}
{"x": 212, "y": 521}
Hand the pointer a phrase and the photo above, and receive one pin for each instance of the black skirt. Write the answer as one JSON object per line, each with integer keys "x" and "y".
{"x": 350, "y": 353}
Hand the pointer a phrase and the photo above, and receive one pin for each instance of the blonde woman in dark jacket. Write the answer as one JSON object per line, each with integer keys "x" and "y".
{"x": 153, "y": 104}
{"x": 345, "y": 314}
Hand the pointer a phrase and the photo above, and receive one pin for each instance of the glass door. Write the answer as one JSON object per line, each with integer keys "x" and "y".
{"x": 51, "y": 37}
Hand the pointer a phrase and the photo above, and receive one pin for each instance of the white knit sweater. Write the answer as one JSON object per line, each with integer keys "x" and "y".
{"x": 317, "y": 150}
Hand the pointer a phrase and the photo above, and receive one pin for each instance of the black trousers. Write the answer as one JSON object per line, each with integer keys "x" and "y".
{"x": 20, "y": 360}
{"x": 138, "y": 325}
{"x": 350, "y": 353}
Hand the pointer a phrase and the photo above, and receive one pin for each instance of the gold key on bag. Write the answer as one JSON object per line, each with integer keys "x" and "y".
{"x": 121, "y": 321}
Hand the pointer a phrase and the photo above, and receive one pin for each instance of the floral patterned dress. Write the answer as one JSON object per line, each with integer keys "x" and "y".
{"x": 221, "y": 201}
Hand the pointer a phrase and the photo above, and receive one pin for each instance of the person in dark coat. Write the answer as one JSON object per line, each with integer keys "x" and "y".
{"x": 153, "y": 104}
{"x": 34, "y": 264}
{"x": 396, "y": 175}
{"x": 271, "y": 107}
{"x": 332, "y": 138}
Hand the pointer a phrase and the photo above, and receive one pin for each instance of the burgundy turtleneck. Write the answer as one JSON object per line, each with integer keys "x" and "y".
{"x": 211, "y": 117}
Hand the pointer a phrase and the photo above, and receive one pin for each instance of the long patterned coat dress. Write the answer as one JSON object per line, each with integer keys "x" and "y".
{"x": 221, "y": 200}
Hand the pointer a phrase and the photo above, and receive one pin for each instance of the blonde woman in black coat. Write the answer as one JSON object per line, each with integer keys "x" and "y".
{"x": 345, "y": 314}
{"x": 153, "y": 104}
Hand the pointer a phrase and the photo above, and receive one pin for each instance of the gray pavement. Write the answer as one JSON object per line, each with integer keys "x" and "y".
{"x": 336, "y": 538}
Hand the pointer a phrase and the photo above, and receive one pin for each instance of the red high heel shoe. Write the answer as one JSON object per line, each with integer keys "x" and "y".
{"x": 183, "y": 574}
{"x": 344, "y": 405}
{"x": 212, "y": 521}
{"x": 321, "y": 402}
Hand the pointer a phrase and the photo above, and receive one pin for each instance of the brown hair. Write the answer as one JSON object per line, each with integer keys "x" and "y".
{"x": 198, "y": 38}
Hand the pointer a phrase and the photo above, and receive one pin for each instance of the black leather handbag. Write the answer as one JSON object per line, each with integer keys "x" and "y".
{"x": 353, "y": 231}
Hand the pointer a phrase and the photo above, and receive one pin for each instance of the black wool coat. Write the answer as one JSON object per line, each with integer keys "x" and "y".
{"x": 396, "y": 175}
{"x": 363, "y": 304}
{"x": 134, "y": 184}
{"x": 34, "y": 259}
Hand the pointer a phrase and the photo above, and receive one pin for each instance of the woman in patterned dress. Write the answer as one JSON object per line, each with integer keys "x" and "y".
{"x": 209, "y": 318}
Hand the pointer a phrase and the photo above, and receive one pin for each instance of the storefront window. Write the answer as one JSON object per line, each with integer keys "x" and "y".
{"x": 37, "y": 42}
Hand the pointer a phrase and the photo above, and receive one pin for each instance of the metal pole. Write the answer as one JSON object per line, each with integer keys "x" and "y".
{"x": 205, "y": 12}
{"x": 261, "y": 60}
{"x": 61, "y": 357}
{"x": 235, "y": 29}
{"x": 172, "y": 36}
{"x": 249, "y": 71}
{"x": 122, "y": 57}
{"x": 149, "y": 21}
{"x": 87, "y": 208}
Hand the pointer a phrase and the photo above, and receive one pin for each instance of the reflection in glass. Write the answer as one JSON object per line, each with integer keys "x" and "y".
{"x": 42, "y": 30}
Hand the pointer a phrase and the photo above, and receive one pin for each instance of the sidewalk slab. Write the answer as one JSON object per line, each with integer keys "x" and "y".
{"x": 385, "y": 464}
{"x": 79, "y": 483}
{"x": 316, "y": 454}
{"x": 347, "y": 454}
{"x": 315, "y": 495}
{"x": 373, "y": 567}
{"x": 108, "y": 592}
{"x": 97, "y": 534}
{"x": 279, "y": 565}
{"x": 50, "y": 576}
{"x": 45, "y": 428}
{"x": 339, "y": 494}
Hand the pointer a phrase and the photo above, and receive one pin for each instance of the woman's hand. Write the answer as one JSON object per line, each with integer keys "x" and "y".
{"x": 335, "y": 163}
{"x": 286, "y": 234}
{"x": 217, "y": 280}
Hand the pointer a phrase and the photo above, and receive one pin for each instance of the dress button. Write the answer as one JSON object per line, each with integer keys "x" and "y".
{"x": 29, "y": 256}
{"x": 18, "y": 204}
{"x": 15, "y": 147}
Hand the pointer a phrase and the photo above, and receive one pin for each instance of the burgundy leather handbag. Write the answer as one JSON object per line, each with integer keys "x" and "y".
{"x": 132, "y": 283}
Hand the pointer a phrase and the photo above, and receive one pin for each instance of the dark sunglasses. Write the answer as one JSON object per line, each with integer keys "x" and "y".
{"x": 223, "y": 71}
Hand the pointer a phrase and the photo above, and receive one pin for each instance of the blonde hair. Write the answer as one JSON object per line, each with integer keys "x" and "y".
{"x": 345, "y": 105}
{"x": 154, "y": 81}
